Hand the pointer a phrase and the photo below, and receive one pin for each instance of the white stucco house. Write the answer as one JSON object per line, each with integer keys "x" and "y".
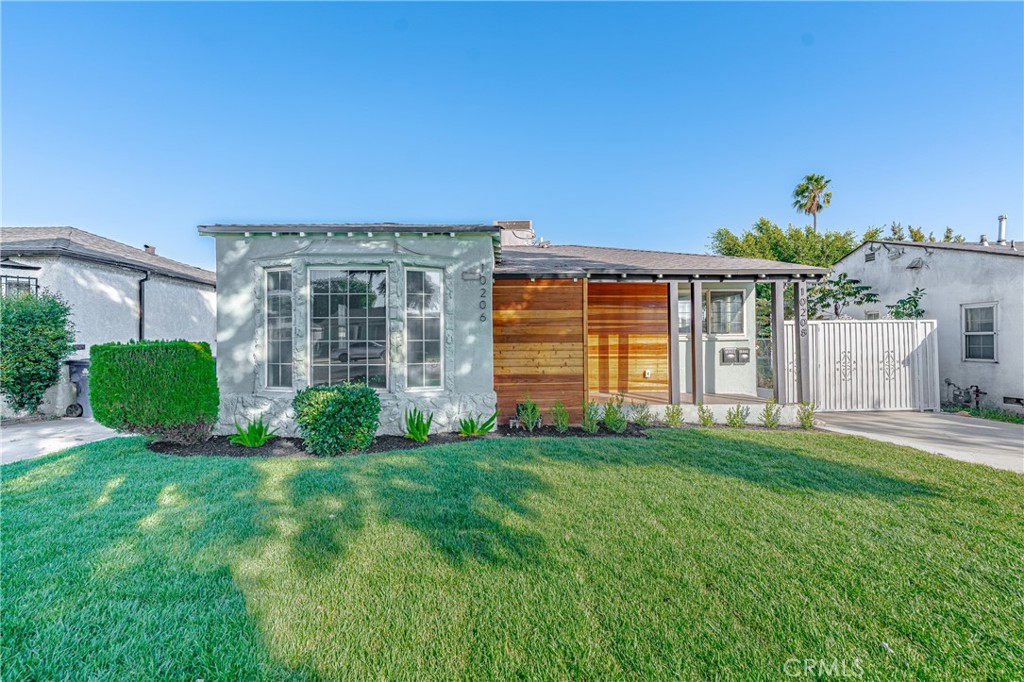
{"x": 465, "y": 319}
{"x": 975, "y": 291}
{"x": 117, "y": 292}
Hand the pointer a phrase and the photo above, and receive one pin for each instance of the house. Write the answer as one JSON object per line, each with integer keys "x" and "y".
{"x": 116, "y": 292}
{"x": 975, "y": 291}
{"x": 468, "y": 318}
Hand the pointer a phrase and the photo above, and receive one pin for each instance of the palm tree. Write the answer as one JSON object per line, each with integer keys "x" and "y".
{"x": 811, "y": 195}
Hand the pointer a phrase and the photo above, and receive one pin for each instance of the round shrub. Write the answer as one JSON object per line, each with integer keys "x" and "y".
{"x": 166, "y": 389}
{"x": 37, "y": 337}
{"x": 334, "y": 420}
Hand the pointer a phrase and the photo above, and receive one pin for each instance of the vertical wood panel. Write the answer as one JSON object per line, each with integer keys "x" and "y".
{"x": 539, "y": 345}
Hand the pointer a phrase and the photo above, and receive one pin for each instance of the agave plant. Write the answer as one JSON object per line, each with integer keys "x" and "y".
{"x": 417, "y": 425}
{"x": 477, "y": 426}
{"x": 252, "y": 435}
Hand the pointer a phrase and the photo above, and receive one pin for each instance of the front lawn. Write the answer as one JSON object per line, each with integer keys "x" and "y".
{"x": 697, "y": 554}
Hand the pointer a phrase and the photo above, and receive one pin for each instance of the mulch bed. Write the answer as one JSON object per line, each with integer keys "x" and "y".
{"x": 220, "y": 446}
{"x": 632, "y": 431}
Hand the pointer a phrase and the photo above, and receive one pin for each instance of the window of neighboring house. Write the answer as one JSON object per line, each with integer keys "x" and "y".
{"x": 979, "y": 327}
{"x": 871, "y": 315}
{"x": 279, "y": 329}
{"x": 423, "y": 317}
{"x": 12, "y": 285}
{"x": 348, "y": 327}
{"x": 725, "y": 309}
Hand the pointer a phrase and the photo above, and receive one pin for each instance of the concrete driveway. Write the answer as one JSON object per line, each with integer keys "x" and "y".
{"x": 33, "y": 439}
{"x": 982, "y": 441}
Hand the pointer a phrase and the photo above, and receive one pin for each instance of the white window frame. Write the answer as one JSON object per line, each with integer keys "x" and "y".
{"x": 387, "y": 317}
{"x": 964, "y": 307}
{"x": 706, "y": 295}
{"x": 266, "y": 328}
{"x": 405, "y": 322}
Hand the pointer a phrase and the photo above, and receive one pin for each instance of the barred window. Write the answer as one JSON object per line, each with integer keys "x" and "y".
{"x": 279, "y": 329}
{"x": 423, "y": 302}
{"x": 348, "y": 327}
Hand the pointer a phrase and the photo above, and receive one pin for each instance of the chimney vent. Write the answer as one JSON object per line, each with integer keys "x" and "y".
{"x": 1002, "y": 231}
{"x": 151, "y": 250}
{"x": 516, "y": 232}
{"x": 984, "y": 240}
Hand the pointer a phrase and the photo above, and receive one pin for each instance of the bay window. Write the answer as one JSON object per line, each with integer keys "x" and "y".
{"x": 423, "y": 302}
{"x": 348, "y": 327}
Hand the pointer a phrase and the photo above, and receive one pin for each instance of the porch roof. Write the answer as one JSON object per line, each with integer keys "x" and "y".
{"x": 598, "y": 262}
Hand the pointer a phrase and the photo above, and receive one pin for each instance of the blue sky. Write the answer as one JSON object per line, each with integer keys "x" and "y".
{"x": 634, "y": 125}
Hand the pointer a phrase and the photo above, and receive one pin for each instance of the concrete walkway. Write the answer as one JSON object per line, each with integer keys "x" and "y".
{"x": 33, "y": 439}
{"x": 982, "y": 441}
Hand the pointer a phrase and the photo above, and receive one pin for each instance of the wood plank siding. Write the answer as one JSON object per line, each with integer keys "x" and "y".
{"x": 539, "y": 345}
{"x": 627, "y": 333}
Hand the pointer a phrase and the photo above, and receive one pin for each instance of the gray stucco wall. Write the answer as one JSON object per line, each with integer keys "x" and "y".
{"x": 467, "y": 263}
{"x": 105, "y": 307}
{"x": 952, "y": 279}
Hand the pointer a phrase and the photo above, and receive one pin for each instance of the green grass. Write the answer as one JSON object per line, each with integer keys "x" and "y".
{"x": 987, "y": 413}
{"x": 698, "y": 554}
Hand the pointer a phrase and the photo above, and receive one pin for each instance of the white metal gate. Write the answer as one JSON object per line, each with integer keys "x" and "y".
{"x": 869, "y": 364}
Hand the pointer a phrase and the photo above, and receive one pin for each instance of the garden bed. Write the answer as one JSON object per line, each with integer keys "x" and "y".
{"x": 220, "y": 446}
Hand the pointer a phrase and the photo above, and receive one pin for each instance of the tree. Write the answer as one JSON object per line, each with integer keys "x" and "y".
{"x": 916, "y": 234}
{"x": 908, "y": 307}
{"x": 37, "y": 337}
{"x": 812, "y": 195}
{"x": 836, "y": 293}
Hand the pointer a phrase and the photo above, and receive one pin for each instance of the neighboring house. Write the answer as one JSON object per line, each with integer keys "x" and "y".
{"x": 464, "y": 319}
{"x": 116, "y": 292}
{"x": 976, "y": 294}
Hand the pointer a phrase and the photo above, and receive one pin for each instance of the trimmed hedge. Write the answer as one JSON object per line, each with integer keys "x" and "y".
{"x": 167, "y": 389}
{"x": 334, "y": 420}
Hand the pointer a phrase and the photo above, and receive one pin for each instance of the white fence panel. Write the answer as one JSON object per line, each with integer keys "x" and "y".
{"x": 869, "y": 364}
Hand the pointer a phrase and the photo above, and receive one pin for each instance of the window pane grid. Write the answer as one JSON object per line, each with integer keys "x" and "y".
{"x": 279, "y": 329}
{"x": 423, "y": 300}
{"x": 348, "y": 327}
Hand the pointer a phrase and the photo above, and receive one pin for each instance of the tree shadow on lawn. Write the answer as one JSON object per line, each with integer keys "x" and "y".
{"x": 725, "y": 453}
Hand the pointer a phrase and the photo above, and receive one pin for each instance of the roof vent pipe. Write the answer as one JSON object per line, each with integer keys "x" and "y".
{"x": 984, "y": 240}
{"x": 1002, "y": 231}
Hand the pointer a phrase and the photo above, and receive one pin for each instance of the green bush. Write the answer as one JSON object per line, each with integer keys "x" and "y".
{"x": 674, "y": 416}
{"x": 614, "y": 416}
{"x": 771, "y": 416}
{"x": 166, "y": 389}
{"x": 37, "y": 337}
{"x": 334, "y": 420}
{"x": 560, "y": 417}
{"x": 641, "y": 415}
{"x": 253, "y": 435}
{"x": 529, "y": 414}
{"x": 805, "y": 414}
{"x": 737, "y": 416}
{"x": 591, "y": 416}
{"x": 417, "y": 425}
{"x": 704, "y": 415}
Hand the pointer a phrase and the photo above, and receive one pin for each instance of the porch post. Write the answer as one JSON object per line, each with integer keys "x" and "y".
{"x": 778, "y": 318}
{"x": 674, "y": 377}
{"x": 803, "y": 354}
{"x": 697, "y": 341}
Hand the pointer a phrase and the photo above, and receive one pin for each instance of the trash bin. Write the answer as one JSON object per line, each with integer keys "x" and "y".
{"x": 78, "y": 374}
